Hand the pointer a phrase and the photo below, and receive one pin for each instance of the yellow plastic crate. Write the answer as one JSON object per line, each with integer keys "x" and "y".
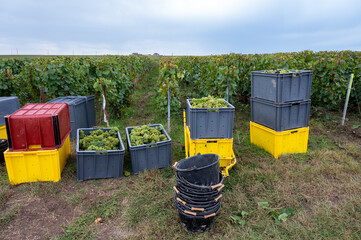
{"x": 278, "y": 143}
{"x": 3, "y": 134}
{"x": 219, "y": 146}
{"x": 33, "y": 166}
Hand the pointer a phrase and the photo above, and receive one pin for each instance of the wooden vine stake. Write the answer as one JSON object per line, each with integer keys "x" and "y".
{"x": 42, "y": 94}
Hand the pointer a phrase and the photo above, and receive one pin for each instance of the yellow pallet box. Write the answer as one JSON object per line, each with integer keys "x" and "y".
{"x": 3, "y": 134}
{"x": 278, "y": 143}
{"x": 33, "y": 166}
{"x": 219, "y": 146}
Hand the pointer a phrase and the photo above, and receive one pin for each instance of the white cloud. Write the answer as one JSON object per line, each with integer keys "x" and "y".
{"x": 180, "y": 12}
{"x": 317, "y": 12}
{"x": 188, "y": 27}
{"x": 208, "y": 10}
{"x": 330, "y": 38}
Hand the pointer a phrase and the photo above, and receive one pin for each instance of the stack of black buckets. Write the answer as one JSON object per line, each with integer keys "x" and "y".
{"x": 198, "y": 191}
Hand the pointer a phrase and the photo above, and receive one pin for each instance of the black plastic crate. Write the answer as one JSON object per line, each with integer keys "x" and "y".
{"x": 8, "y": 105}
{"x": 282, "y": 116}
{"x": 149, "y": 156}
{"x": 281, "y": 88}
{"x": 99, "y": 164}
{"x": 210, "y": 122}
{"x": 81, "y": 111}
{"x": 91, "y": 110}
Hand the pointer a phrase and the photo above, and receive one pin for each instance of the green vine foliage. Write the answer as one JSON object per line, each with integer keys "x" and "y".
{"x": 169, "y": 77}
{"x": 66, "y": 76}
{"x": 331, "y": 72}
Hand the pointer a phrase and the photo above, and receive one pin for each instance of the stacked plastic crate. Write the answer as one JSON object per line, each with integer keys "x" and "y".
{"x": 81, "y": 112}
{"x": 280, "y": 109}
{"x": 151, "y": 155}
{"x": 8, "y": 105}
{"x": 210, "y": 130}
{"x": 39, "y": 145}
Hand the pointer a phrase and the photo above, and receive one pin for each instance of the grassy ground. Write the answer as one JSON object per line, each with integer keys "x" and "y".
{"x": 322, "y": 187}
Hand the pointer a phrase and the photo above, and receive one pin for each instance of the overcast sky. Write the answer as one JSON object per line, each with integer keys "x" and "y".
{"x": 183, "y": 27}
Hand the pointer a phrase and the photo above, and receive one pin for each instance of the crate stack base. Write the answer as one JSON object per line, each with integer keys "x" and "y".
{"x": 33, "y": 166}
{"x": 278, "y": 143}
{"x": 39, "y": 142}
{"x": 280, "y": 109}
{"x": 220, "y": 146}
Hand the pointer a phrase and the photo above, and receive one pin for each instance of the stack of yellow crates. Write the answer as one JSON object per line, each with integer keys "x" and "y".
{"x": 3, "y": 132}
{"x": 39, "y": 145}
{"x": 280, "y": 109}
{"x": 210, "y": 131}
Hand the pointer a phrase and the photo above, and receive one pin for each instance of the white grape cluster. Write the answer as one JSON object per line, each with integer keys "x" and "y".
{"x": 208, "y": 102}
{"x": 146, "y": 134}
{"x": 280, "y": 71}
{"x": 99, "y": 140}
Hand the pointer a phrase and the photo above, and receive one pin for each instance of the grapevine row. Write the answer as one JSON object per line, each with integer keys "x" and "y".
{"x": 210, "y": 75}
{"x": 64, "y": 76}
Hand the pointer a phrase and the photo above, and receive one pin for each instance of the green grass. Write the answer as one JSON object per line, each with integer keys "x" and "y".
{"x": 322, "y": 186}
{"x": 9, "y": 216}
{"x": 83, "y": 226}
{"x": 75, "y": 199}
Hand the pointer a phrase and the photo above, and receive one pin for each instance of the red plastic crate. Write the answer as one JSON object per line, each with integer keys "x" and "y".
{"x": 38, "y": 126}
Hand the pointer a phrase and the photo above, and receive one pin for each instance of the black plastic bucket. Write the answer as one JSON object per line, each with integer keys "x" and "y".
{"x": 198, "y": 203}
{"x": 199, "y": 210}
{"x": 196, "y": 224}
{"x": 3, "y": 143}
{"x": 205, "y": 204}
{"x": 198, "y": 188}
{"x": 184, "y": 189}
{"x": 196, "y": 198}
{"x": 202, "y": 169}
{"x": 3, "y": 147}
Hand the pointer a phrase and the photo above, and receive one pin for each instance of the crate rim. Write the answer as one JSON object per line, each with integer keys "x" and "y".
{"x": 102, "y": 152}
{"x": 280, "y": 104}
{"x": 280, "y": 133}
{"x": 260, "y": 72}
{"x": 230, "y": 105}
{"x": 74, "y": 100}
{"x": 128, "y": 130}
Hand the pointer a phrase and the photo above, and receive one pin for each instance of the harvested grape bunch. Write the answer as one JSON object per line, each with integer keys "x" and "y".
{"x": 145, "y": 135}
{"x": 280, "y": 71}
{"x": 208, "y": 102}
{"x": 99, "y": 140}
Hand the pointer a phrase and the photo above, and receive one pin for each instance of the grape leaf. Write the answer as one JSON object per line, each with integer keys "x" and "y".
{"x": 238, "y": 220}
{"x": 283, "y": 217}
{"x": 263, "y": 204}
{"x": 126, "y": 173}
